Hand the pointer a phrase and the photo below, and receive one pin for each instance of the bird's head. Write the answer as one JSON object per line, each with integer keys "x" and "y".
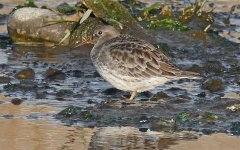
{"x": 104, "y": 33}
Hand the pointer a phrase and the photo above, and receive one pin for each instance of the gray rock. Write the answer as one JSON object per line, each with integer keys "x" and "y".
{"x": 27, "y": 73}
{"x": 37, "y": 25}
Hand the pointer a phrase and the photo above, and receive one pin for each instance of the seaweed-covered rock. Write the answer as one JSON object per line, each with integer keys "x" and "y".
{"x": 65, "y": 8}
{"x": 37, "y": 25}
{"x": 213, "y": 84}
{"x": 69, "y": 111}
{"x": 116, "y": 14}
{"x": 83, "y": 32}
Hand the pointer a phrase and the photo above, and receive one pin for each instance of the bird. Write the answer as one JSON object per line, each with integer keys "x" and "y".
{"x": 132, "y": 64}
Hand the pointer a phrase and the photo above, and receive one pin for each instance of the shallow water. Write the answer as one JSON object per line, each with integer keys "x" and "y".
{"x": 32, "y": 125}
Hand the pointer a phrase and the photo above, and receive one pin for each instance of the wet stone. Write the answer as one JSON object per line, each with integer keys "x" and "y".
{"x": 214, "y": 67}
{"x": 63, "y": 93}
{"x": 26, "y": 25}
{"x": 4, "y": 80}
{"x": 159, "y": 95}
{"x": 55, "y": 74}
{"x": 16, "y": 101}
{"x": 78, "y": 73}
{"x": 213, "y": 84}
{"x": 24, "y": 74}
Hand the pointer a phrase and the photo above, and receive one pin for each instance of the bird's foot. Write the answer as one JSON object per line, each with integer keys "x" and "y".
{"x": 132, "y": 98}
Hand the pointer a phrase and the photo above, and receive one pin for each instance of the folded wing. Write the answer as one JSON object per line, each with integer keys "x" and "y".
{"x": 137, "y": 58}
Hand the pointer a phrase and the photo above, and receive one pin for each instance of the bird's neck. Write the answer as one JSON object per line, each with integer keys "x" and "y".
{"x": 95, "y": 50}
{"x": 98, "y": 46}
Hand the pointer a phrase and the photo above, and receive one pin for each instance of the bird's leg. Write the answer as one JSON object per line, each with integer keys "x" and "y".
{"x": 132, "y": 98}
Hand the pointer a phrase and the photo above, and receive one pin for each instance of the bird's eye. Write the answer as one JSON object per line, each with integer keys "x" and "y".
{"x": 99, "y": 32}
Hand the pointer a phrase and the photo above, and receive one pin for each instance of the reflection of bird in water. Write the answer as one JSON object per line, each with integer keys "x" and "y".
{"x": 131, "y": 64}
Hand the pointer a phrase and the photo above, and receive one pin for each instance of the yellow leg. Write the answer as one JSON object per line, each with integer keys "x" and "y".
{"x": 132, "y": 98}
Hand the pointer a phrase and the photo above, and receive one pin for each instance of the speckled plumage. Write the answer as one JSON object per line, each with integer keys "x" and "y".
{"x": 131, "y": 64}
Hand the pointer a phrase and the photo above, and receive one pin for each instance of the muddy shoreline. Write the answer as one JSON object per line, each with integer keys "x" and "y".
{"x": 58, "y": 89}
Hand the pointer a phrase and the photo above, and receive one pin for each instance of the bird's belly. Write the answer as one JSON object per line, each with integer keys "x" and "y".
{"x": 129, "y": 83}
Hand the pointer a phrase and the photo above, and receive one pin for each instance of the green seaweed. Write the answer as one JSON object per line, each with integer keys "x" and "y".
{"x": 168, "y": 24}
{"x": 87, "y": 116}
{"x": 70, "y": 111}
{"x": 149, "y": 11}
{"x": 210, "y": 117}
{"x": 28, "y": 3}
{"x": 182, "y": 116}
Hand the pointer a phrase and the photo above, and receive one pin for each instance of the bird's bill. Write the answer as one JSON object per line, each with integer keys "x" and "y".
{"x": 87, "y": 41}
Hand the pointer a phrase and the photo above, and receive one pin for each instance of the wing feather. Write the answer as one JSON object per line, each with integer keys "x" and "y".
{"x": 137, "y": 58}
